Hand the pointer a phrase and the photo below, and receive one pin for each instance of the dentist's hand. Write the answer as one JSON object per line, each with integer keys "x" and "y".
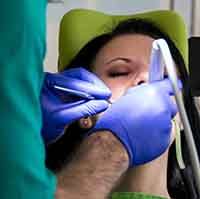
{"x": 141, "y": 120}
{"x": 60, "y": 108}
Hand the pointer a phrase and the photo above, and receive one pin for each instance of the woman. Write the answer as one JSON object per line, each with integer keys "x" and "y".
{"x": 120, "y": 57}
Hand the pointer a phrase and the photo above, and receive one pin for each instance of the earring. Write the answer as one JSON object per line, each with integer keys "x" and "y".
{"x": 85, "y": 123}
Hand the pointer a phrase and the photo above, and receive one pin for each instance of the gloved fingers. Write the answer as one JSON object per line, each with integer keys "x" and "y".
{"x": 85, "y": 75}
{"x": 165, "y": 85}
{"x": 48, "y": 98}
{"x": 159, "y": 89}
{"x": 99, "y": 92}
{"x": 86, "y": 109}
{"x": 172, "y": 107}
{"x": 88, "y": 88}
{"x": 134, "y": 89}
{"x": 162, "y": 86}
{"x": 64, "y": 114}
{"x": 52, "y": 137}
{"x": 56, "y": 102}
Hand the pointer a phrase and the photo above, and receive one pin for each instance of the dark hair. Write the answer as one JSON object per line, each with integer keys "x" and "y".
{"x": 180, "y": 182}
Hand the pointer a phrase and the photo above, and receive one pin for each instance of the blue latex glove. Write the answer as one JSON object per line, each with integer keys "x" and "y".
{"x": 141, "y": 120}
{"x": 60, "y": 108}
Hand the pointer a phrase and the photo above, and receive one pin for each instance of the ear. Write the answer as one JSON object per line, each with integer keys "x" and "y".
{"x": 86, "y": 123}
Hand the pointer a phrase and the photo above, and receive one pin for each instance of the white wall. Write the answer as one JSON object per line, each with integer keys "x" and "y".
{"x": 56, "y": 11}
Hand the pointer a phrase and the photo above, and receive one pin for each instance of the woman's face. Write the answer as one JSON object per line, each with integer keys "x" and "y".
{"x": 124, "y": 62}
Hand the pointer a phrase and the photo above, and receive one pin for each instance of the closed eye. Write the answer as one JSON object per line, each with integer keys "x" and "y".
{"x": 118, "y": 74}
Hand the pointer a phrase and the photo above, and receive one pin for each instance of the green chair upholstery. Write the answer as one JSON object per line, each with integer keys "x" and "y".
{"x": 79, "y": 26}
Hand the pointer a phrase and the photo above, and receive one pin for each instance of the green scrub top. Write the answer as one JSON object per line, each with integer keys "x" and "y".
{"x": 22, "y": 49}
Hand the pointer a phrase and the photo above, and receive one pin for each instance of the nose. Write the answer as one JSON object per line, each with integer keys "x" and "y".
{"x": 142, "y": 78}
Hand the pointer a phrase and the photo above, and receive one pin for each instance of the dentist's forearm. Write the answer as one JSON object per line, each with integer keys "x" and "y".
{"x": 96, "y": 168}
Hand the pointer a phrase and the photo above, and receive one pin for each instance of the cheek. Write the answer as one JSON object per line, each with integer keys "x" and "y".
{"x": 117, "y": 92}
{"x": 117, "y": 87}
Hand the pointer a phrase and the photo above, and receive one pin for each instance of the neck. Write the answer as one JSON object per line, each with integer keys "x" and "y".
{"x": 150, "y": 178}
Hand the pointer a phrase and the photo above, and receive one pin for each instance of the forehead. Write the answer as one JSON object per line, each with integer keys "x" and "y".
{"x": 134, "y": 46}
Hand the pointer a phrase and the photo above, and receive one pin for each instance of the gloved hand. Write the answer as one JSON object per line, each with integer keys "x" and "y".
{"x": 141, "y": 120}
{"x": 60, "y": 108}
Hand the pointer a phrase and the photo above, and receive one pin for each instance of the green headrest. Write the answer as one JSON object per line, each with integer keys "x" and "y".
{"x": 79, "y": 26}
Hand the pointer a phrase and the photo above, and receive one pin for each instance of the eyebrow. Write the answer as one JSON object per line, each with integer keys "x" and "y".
{"x": 127, "y": 60}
